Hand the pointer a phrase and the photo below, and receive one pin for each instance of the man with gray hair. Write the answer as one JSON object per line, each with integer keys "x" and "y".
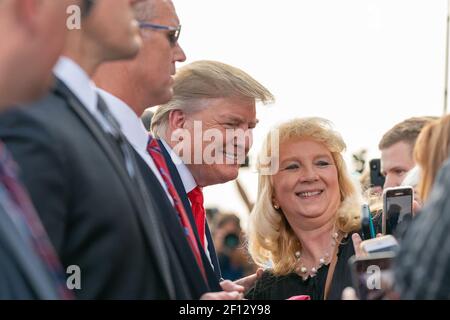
{"x": 215, "y": 102}
{"x": 130, "y": 88}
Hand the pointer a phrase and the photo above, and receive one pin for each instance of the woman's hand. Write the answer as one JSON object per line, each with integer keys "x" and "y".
{"x": 357, "y": 245}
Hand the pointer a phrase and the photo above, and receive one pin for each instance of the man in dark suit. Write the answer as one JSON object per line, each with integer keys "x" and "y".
{"x": 25, "y": 29}
{"x": 81, "y": 174}
{"x": 130, "y": 87}
{"x": 210, "y": 99}
{"x": 28, "y": 263}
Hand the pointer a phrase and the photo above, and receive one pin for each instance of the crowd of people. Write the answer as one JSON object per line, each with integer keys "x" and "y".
{"x": 96, "y": 205}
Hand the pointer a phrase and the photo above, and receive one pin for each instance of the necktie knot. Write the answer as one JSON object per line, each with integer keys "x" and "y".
{"x": 151, "y": 141}
{"x": 196, "y": 195}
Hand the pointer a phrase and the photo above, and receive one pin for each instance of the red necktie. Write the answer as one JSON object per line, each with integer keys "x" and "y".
{"x": 22, "y": 212}
{"x": 196, "y": 198}
{"x": 155, "y": 152}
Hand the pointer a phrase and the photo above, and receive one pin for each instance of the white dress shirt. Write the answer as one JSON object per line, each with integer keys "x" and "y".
{"x": 188, "y": 183}
{"x": 78, "y": 81}
{"x": 134, "y": 131}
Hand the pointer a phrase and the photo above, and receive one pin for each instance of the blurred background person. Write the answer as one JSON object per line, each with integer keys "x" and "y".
{"x": 304, "y": 214}
{"x": 33, "y": 35}
{"x": 229, "y": 243}
{"x": 431, "y": 150}
{"x": 397, "y": 147}
{"x": 147, "y": 119}
{"x": 422, "y": 265}
{"x": 397, "y": 160}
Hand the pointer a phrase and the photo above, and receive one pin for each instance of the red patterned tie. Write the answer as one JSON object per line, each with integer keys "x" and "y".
{"x": 196, "y": 198}
{"x": 22, "y": 212}
{"x": 155, "y": 152}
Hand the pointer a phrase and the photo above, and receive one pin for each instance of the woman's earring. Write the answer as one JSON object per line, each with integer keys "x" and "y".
{"x": 276, "y": 207}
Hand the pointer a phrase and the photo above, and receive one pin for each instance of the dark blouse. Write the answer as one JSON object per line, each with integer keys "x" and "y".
{"x": 270, "y": 287}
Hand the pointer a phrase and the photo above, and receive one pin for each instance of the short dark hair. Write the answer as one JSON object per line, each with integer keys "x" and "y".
{"x": 406, "y": 131}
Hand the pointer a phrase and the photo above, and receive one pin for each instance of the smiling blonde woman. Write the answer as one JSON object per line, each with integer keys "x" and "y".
{"x": 304, "y": 214}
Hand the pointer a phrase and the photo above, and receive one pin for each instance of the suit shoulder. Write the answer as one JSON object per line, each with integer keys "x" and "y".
{"x": 37, "y": 125}
{"x": 37, "y": 119}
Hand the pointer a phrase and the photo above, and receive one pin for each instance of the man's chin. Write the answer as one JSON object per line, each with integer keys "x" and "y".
{"x": 220, "y": 175}
{"x": 231, "y": 173}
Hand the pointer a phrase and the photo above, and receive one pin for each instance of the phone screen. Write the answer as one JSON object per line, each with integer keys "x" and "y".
{"x": 397, "y": 208}
{"x": 372, "y": 276}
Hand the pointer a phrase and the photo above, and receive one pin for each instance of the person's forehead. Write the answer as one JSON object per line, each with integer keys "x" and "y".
{"x": 165, "y": 11}
{"x": 231, "y": 108}
{"x": 398, "y": 155}
{"x": 303, "y": 147}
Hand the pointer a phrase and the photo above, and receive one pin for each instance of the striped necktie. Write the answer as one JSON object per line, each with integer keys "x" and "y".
{"x": 155, "y": 152}
{"x": 21, "y": 211}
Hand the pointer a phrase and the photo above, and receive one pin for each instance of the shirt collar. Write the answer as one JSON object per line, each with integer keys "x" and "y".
{"x": 186, "y": 176}
{"x": 130, "y": 124}
{"x": 78, "y": 81}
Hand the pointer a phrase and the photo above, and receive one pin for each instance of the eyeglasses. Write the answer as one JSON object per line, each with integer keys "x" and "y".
{"x": 174, "y": 31}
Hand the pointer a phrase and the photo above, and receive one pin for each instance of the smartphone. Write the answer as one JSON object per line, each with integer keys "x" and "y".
{"x": 397, "y": 208}
{"x": 380, "y": 244}
{"x": 376, "y": 177}
{"x": 367, "y": 227}
{"x": 372, "y": 276}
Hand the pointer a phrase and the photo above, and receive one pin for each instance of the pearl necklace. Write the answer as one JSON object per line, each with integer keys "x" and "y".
{"x": 304, "y": 272}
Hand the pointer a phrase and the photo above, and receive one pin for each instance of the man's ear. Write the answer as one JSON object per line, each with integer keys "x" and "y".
{"x": 27, "y": 14}
{"x": 177, "y": 120}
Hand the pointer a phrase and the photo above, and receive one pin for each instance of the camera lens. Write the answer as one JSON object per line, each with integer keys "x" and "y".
{"x": 231, "y": 241}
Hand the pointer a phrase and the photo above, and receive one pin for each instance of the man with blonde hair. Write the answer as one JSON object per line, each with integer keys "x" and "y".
{"x": 206, "y": 131}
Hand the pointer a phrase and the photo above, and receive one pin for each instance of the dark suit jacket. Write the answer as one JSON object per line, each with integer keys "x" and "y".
{"x": 95, "y": 216}
{"x": 182, "y": 192}
{"x": 181, "y": 257}
{"x": 22, "y": 274}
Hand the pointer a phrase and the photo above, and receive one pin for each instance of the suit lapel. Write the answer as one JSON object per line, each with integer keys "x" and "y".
{"x": 174, "y": 231}
{"x": 212, "y": 253}
{"x": 143, "y": 208}
{"x": 184, "y": 198}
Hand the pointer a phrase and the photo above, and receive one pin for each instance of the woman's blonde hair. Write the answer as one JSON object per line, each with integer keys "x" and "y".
{"x": 271, "y": 239}
{"x": 431, "y": 150}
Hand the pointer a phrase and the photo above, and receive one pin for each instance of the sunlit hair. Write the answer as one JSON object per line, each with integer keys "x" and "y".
{"x": 431, "y": 150}
{"x": 201, "y": 80}
{"x": 406, "y": 131}
{"x": 271, "y": 239}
